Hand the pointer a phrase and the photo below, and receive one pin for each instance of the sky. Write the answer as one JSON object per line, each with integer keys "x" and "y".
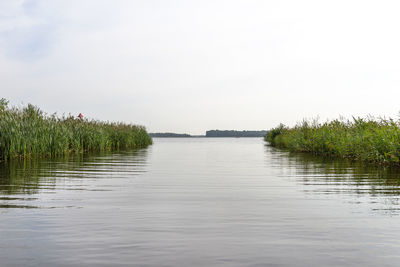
{"x": 191, "y": 66}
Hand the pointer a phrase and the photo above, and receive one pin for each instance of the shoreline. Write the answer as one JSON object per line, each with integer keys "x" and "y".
{"x": 28, "y": 132}
{"x": 374, "y": 141}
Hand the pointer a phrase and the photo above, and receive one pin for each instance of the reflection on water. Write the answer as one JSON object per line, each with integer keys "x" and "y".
{"x": 25, "y": 177}
{"x": 359, "y": 182}
{"x": 19, "y": 178}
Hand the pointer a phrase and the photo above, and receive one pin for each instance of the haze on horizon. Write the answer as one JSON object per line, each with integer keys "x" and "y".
{"x": 191, "y": 66}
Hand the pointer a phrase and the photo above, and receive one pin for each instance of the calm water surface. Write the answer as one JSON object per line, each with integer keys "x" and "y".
{"x": 198, "y": 202}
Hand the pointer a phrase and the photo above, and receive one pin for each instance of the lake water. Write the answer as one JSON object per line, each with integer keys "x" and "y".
{"x": 198, "y": 202}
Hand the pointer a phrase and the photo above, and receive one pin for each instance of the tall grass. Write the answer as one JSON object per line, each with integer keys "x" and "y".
{"x": 28, "y": 131}
{"x": 366, "y": 139}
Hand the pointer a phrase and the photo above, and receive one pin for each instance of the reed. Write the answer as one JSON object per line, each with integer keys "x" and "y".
{"x": 366, "y": 139}
{"x": 28, "y": 131}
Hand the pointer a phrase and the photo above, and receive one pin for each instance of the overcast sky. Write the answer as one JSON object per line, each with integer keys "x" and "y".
{"x": 190, "y": 66}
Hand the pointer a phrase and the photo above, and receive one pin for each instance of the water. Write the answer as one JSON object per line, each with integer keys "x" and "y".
{"x": 198, "y": 202}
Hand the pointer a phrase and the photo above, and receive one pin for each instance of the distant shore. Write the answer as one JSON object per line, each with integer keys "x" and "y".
{"x": 214, "y": 133}
{"x": 371, "y": 140}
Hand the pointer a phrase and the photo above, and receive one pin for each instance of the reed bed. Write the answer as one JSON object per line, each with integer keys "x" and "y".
{"x": 28, "y": 131}
{"x": 366, "y": 139}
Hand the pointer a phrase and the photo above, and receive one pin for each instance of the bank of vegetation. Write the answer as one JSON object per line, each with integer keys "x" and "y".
{"x": 28, "y": 131}
{"x": 366, "y": 139}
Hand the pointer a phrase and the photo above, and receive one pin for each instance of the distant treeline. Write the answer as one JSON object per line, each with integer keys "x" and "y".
{"x": 28, "y": 131}
{"x": 169, "y": 135}
{"x": 215, "y": 133}
{"x": 233, "y": 133}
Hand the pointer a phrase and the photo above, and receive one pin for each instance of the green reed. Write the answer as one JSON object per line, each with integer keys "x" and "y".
{"x": 366, "y": 139}
{"x": 28, "y": 131}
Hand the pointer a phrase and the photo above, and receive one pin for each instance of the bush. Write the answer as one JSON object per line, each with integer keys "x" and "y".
{"x": 373, "y": 140}
{"x": 30, "y": 132}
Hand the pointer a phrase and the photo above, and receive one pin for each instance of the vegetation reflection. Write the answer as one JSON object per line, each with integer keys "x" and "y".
{"x": 29, "y": 176}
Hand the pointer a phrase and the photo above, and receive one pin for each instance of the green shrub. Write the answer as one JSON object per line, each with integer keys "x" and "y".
{"x": 30, "y": 132}
{"x": 373, "y": 140}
